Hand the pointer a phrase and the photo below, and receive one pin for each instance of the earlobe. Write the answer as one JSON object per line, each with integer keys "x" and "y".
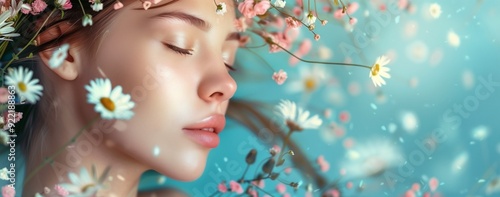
{"x": 63, "y": 59}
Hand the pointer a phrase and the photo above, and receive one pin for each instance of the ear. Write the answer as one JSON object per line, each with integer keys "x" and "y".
{"x": 67, "y": 59}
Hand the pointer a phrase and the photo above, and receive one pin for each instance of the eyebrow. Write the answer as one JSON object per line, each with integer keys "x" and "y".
{"x": 193, "y": 20}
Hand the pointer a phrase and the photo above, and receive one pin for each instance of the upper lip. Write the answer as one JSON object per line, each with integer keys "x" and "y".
{"x": 216, "y": 121}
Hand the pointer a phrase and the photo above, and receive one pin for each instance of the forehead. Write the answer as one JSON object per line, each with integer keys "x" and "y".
{"x": 203, "y": 9}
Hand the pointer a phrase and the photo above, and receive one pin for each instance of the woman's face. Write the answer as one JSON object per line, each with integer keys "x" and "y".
{"x": 173, "y": 61}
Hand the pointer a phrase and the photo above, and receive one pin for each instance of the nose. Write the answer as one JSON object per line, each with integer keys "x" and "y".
{"x": 217, "y": 85}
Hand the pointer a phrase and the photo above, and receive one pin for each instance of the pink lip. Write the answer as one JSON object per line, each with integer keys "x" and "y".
{"x": 203, "y": 137}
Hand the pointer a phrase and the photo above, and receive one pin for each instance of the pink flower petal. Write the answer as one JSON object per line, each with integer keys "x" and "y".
{"x": 118, "y": 5}
{"x": 352, "y": 7}
{"x": 8, "y": 191}
{"x": 222, "y": 187}
{"x": 235, "y": 187}
{"x": 281, "y": 188}
{"x": 433, "y": 184}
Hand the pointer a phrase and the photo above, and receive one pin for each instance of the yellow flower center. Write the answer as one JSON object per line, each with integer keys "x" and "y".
{"x": 108, "y": 103}
{"x": 86, "y": 187}
{"x": 310, "y": 84}
{"x": 22, "y": 86}
{"x": 375, "y": 69}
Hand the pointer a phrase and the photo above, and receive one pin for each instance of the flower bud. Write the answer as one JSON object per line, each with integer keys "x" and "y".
{"x": 268, "y": 166}
{"x": 251, "y": 157}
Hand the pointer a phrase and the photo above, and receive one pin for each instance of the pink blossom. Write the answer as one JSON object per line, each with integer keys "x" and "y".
{"x": 292, "y": 23}
{"x": 67, "y": 5}
{"x": 305, "y": 46}
{"x": 262, "y": 7}
{"x": 61, "y": 191}
{"x": 4, "y": 95}
{"x": 426, "y": 194}
{"x": 323, "y": 164}
{"x": 402, "y": 4}
{"x": 277, "y": 148}
{"x": 299, "y": 3}
{"x": 433, "y": 184}
{"x": 8, "y": 191}
{"x": 297, "y": 11}
{"x": 26, "y": 9}
{"x": 344, "y": 116}
{"x": 353, "y": 21}
{"x": 280, "y": 78}
{"x": 240, "y": 24}
{"x": 252, "y": 193}
{"x": 38, "y": 6}
{"x": 316, "y": 37}
{"x": 409, "y": 193}
{"x": 235, "y": 187}
{"x": 338, "y": 14}
{"x": 288, "y": 170}
{"x": 146, "y": 5}
{"x": 293, "y": 60}
{"x": 352, "y": 7}
{"x": 286, "y": 195}
{"x": 333, "y": 192}
{"x": 247, "y": 9}
{"x": 349, "y": 185}
{"x": 281, "y": 188}
{"x": 222, "y": 187}
{"x": 259, "y": 183}
{"x": 118, "y": 5}
{"x": 415, "y": 187}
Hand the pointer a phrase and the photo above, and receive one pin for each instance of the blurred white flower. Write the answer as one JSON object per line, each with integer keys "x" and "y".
{"x": 280, "y": 3}
{"x": 372, "y": 158}
{"x": 310, "y": 79}
{"x": 6, "y": 29}
{"x": 435, "y": 10}
{"x": 297, "y": 118}
{"x": 379, "y": 70}
{"x": 25, "y": 87}
{"x": 82, "y": 185}
{"x": 59, "y": 56}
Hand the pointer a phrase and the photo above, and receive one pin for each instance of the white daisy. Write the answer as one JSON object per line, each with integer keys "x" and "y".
{"x": 435, "y": 10}
{"x": 378, "y": 71}
{"x": 110, "y": 103}
{"x": 297, "y": 118}
{"x": 4, "y": 137}
{"x": 59, "y": 56}
{"x": 280, "y": 3}
{"x": 6, "y": 29}
{"x": 25, "y": 86}
{"x": 310, "y": 19}
{"x": 372, "y": 158}
{"x": 221, "y": 8}
{"x": 83, "y": 185}
{"x": 310, "y": 79}
{"x": 4, "y": 173}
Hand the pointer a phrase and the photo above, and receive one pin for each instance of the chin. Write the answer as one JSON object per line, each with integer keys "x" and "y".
{"x": 186, "y": 169}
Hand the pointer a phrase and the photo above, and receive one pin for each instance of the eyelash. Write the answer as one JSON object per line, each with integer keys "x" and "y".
{"x": 182, "y": 51}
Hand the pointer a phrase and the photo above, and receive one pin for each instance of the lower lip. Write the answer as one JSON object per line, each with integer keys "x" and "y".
{"x": 204, "y": 138}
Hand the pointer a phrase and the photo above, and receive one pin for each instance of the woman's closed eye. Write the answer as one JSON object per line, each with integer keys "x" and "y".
{"x": 179, "y": 50}
{"x": 190, "y": 52}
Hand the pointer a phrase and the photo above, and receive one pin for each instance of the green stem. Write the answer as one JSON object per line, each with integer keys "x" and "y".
{"x": 61, "y": 149}
{"x": 285, "y": 142}
{"x": 29, "y": 43}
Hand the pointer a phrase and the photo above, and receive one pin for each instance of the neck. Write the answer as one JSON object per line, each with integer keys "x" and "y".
{"x": 91, "y": 148}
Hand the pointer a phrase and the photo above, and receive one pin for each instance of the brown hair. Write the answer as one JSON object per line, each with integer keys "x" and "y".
{"x": 31, "y": 126}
